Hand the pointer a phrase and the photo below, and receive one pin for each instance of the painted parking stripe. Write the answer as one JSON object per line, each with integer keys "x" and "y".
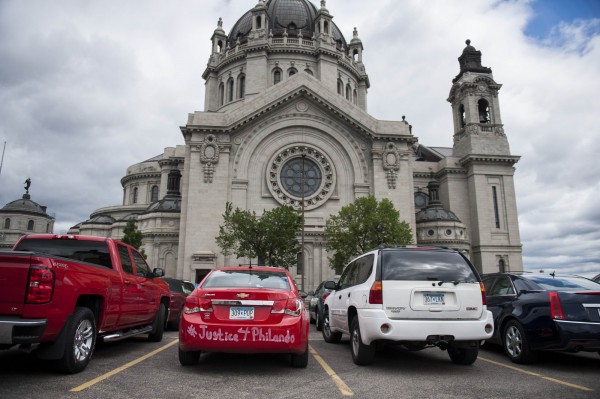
{"x": 568, "y": 384}
{"x": 344, "y": 389}
{"x": 124, "y": 367}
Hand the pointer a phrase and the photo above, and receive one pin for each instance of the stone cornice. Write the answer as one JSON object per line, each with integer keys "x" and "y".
{"x": 140, "y": 176}
{"x": 487, "y": 159}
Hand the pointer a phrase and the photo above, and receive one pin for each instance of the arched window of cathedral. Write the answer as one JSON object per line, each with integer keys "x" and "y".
{"x": 326, "y": 27}
{"x": 501, "y": 266}
{"x": 292, "y": 28}
{"x": 292, "y": 71}
{"x": 308, "y": 71}
{"x": 154, "y": 194}
{"x": 135, "y": 195}
{"x": 355, "y": 97}
{"x": 47, "y": 227}
{"x": 355, "y": 55}
{"x": 30, "y": 225}
{"x": 7, "y": 223}
{"x": 258, "y": 22}
{"x": 484, "y": 111}
{"x": 221, "y": 94}
{"x": 461, "y": 112}
{"x": 242, "y": 86}
{"x": 230, "y": 90}
{"x": 276, "y": 76}
{"x": 348, "y": 92}
{"x": 340, "y": 87}
{"x": 220, "y": 46}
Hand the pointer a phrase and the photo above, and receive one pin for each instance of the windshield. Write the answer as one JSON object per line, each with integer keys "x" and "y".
{"x": 247, "y": 279}
{"x": 562, "y": 283}
{"x": 95, "y": 252}
{"x": 420, "y": 265}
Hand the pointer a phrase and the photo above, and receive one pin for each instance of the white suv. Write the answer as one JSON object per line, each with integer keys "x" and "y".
{"x": 413, "y": 296}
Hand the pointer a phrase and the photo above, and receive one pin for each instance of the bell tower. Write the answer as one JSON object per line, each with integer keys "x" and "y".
{"x": 481, "y": 148}
{"x": 478, "y": 127}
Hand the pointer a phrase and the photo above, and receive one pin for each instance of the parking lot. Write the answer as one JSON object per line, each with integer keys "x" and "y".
{"x": 136, "y": 368}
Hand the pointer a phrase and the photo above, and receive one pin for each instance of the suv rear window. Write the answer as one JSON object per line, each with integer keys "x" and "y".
{"x": 95, "y": 252}
{"x": 425, "y": 265}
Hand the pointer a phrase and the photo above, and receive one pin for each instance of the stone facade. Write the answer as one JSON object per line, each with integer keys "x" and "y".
{"x": 279, "y": 90}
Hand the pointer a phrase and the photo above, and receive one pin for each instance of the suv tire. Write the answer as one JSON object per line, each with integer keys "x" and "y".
{"x": 465, "y": 356}
{"x": 361, "y": 354}
{"x": 328, "y": 335}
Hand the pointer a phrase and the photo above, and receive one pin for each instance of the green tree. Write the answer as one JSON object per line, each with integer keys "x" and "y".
{"x": 361, "y": 226}
{"x": 271, "y": 238}
{"x": 133, "y": 236}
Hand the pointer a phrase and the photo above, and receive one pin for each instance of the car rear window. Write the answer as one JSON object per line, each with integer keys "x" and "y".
{"x": 423, "y": 265}
{"x": 564, "y": 283}
{"x": 247, "y": 279}
{"x": 95, "y": 252}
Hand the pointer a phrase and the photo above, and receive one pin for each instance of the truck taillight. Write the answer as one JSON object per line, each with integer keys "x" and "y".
{"x": 193, "y": 304}
{"x": 556, "y": 311}
{"x": 376, "y": 293}
{"x": 483, "y": 299}
{"x": 40, "y": 286}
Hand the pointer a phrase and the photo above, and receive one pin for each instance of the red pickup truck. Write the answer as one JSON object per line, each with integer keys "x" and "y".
{"x": 59, "y": 294}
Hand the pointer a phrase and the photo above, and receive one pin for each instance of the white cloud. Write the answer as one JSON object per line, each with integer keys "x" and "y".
{"x": 89, "y": 88}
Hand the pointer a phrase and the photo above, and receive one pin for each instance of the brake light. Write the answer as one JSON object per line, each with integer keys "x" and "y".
{"x": 41, "y": 285}
{"x": 483, "y": 298}
{"x": 293, "y": 307}
{"x": 556, "y": 311}
{"x": 193, "y": 304}
{"x": 376, "y": 293}
{"x": 325, "y": 295}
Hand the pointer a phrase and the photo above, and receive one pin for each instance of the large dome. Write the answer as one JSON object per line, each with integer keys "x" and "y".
{"x": 294, "y": 15}
{"x": 24, "y": 205}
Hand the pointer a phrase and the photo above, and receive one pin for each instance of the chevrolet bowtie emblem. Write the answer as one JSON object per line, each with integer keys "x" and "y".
{"x": 243, "y": 295}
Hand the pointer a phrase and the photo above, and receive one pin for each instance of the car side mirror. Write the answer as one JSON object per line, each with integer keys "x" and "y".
{"x": 158, "y": 272}
{"x": 330, "y": 285}
{"x": 311, "y": 293}
{"x": 303, "y": 294}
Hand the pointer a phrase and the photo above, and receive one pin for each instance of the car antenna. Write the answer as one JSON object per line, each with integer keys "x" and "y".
{"x": 553, "y": 273}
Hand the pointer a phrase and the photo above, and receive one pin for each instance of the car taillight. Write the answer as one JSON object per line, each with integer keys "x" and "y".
{"x": 325, "y": 295}
{"x": 483, "y": 299}
{"x": 41, "y": 285}
{"x": 293, "y": 307}
{"x": 556, "y": 311}
{"x": 193, "y": 304}
{"x": 376, "y": 293}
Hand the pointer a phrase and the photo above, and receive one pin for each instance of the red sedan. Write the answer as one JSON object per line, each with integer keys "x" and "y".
{"x": 245, "y": 310}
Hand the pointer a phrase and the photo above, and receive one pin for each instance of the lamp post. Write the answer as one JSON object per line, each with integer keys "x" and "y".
{"x": 302, "y": 239}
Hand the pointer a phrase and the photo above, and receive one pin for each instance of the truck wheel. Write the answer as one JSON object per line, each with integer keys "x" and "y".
{"x": 158, "y": 325}
{"x": 361, "y": 354}
{"x": 328, "y": 335}
{"x": 80, "y": 341}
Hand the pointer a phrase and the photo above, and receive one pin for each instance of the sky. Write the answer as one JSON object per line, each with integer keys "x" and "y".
{"x": 90, "y": 87}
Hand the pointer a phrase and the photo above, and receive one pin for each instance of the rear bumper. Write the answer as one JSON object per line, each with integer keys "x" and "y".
{"x": 14, "y": 330}
{"x": 289, "y": 336}
{"x": 576, "y": 336}
{"x": 372, "y": 320}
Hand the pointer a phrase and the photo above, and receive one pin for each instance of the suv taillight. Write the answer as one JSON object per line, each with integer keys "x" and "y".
{"x": 483, "y": 299}
{"x": 41, "y": 285}
{"x": 556, "y": 311}
{"x": 376, "y": 293}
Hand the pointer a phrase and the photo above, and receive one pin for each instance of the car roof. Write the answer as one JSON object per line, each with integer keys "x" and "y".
{"x": 252, "y": 268}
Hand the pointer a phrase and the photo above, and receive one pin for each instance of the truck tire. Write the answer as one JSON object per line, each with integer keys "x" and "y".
{"x": 464, "y": 356}
{"x": 80, "y": 341}
{"x": 158, "y": 325}
{"x": 361, "y": 354}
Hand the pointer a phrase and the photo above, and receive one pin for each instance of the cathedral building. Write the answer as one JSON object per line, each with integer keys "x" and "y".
{"x": 286, "y": 101}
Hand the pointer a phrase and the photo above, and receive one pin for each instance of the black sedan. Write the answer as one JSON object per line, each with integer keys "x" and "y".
{"x": 315, "y": 305}
{"x": 535, "y": 311}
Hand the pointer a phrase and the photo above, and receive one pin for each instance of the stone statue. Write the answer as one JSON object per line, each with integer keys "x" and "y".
{"x": 27, "y": 184}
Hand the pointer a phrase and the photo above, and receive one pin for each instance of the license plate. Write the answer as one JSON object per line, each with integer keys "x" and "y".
{"x": 241, "y": 313}
{"x": 433, "y": 299}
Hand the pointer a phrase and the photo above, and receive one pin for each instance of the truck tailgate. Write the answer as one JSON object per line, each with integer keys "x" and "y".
{"x": 14, "y": 271}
